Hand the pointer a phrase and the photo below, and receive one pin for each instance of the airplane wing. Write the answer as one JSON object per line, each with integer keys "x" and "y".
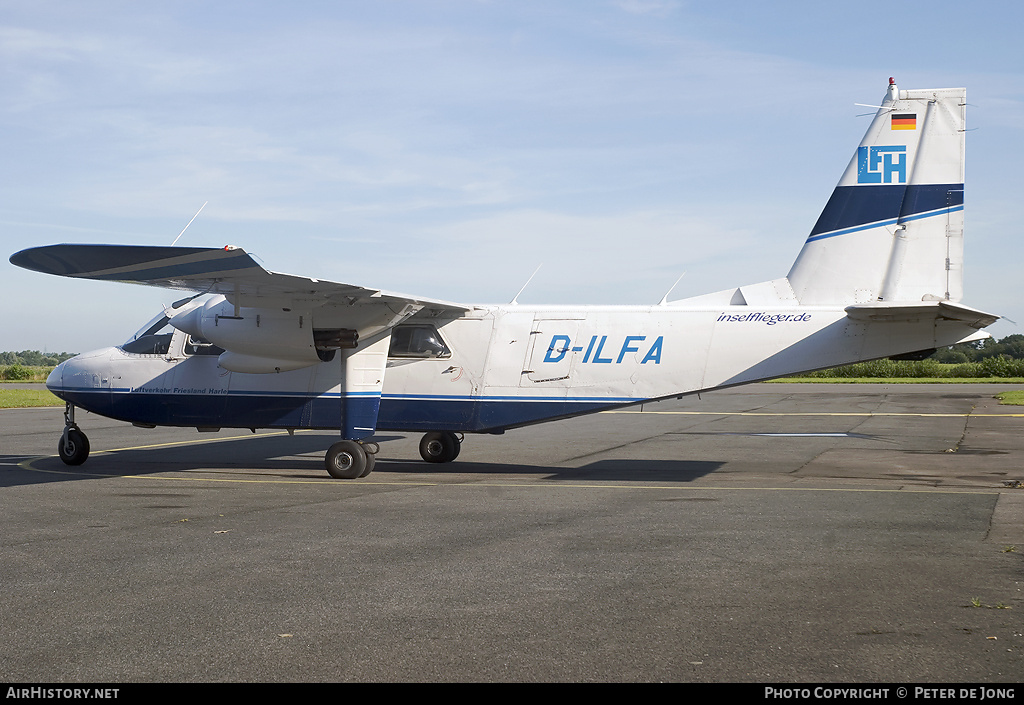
{"x": 926, "y": 310}
{"x": 230, "y": 271}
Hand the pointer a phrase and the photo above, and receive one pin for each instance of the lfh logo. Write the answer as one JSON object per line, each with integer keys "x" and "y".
{"x": 878, "y": 165}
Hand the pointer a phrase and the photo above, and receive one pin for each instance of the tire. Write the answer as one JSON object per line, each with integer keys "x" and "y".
{"x": 370, "y": 460}
{"x": 439, "y": 447}
{"x": 76, "y": 450}
{"x": 345, "y": 460}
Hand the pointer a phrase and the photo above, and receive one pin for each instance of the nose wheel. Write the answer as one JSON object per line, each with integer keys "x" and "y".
{"x": 73, "y": 447}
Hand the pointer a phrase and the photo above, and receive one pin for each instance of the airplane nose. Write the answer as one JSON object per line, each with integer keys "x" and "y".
{"x": 55, "y": 380}
{"x": 86, "y": 372}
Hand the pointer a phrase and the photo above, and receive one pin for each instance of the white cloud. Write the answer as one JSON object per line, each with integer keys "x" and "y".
{"x": 659, "y": 8}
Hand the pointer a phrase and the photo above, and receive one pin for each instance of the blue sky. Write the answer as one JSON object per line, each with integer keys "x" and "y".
{"x": 449, "y": 148}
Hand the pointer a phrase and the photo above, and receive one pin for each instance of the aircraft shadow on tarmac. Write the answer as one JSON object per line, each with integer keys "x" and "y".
{"x": 301, "y": 458}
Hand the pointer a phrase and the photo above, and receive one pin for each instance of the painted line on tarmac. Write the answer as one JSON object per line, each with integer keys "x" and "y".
{"x": 27, "y": 464}
{"x": 542, "y": 484}
{"x": 814, "y": 413}
{"x": 260, "y": 481}
{"x": 198, "y": 440}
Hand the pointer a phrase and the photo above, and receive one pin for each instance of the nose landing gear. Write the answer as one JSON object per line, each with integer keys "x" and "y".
{"x": 73, "y": 447}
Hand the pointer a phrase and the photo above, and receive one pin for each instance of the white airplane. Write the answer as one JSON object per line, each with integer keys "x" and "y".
{"x": 879, "y": 275}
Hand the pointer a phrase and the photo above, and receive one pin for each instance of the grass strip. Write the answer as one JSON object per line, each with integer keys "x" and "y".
{"x": 900, "y": 380}
{"x": 1014, "y": 397}
{"x": 21, "y": 398}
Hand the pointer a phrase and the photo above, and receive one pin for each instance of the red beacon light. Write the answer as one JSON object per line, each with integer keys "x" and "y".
{"x": 892, "y": 81}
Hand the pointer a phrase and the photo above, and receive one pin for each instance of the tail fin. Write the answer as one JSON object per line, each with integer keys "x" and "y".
{"x": 893, "y": 229}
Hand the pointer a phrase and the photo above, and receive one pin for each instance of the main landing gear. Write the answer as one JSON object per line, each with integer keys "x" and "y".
{"x": 348, "y": 460}
{"x": 440, "y": 446}
{"x": 73, "y": 446}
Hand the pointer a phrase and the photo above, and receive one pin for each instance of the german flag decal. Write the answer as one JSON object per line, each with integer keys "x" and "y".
{"x": 904, "y": 122}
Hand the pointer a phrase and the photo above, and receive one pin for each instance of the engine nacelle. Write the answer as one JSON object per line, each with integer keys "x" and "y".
{"x": 253, "y": 364}
{"x": 262, "y": 340}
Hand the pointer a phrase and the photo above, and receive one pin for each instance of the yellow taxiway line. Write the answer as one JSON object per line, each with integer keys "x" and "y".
{"x": 812, "y": 413}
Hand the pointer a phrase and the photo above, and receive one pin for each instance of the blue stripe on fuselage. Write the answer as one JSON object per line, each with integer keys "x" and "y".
{"x": 283, "y": 410}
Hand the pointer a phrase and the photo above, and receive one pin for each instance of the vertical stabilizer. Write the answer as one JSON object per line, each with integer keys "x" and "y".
{"x": 893, "y": 229}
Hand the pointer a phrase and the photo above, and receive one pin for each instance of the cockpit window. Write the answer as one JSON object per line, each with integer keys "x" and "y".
{"x": 417, "y": 341}
{"x": 152, "y": 339}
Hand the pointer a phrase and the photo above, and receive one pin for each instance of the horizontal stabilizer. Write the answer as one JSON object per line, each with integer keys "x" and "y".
{"x": 881, "y": 311}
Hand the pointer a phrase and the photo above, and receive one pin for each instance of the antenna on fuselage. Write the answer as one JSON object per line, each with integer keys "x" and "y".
{"x": 664, "y": 299}
{"x": 189, "y": 223}
{"x": 515, "y": 299}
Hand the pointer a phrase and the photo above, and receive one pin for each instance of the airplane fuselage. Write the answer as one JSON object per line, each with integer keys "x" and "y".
{"x": 505, "y": 366}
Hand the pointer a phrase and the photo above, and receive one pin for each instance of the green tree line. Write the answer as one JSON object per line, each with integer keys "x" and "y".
{"x": 34, "y": 358}
{"x": 983, "y": 358}
{"x": 19, "y": 365}
{"x": 1010, "y": 347}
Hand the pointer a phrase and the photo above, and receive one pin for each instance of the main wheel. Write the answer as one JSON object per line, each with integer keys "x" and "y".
{"x": 371, "y": 459}
{"x": 75, "y": 450}
{"x": 440, "y": 447}
{"x": 345, "y": 460}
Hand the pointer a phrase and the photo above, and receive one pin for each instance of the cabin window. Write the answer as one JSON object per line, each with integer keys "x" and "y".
{"x": 417, "y": 341}
{"x": 152, "y": 339}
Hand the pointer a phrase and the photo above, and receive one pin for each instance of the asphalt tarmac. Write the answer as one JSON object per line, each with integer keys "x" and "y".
{"x": 772, "y": 533}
